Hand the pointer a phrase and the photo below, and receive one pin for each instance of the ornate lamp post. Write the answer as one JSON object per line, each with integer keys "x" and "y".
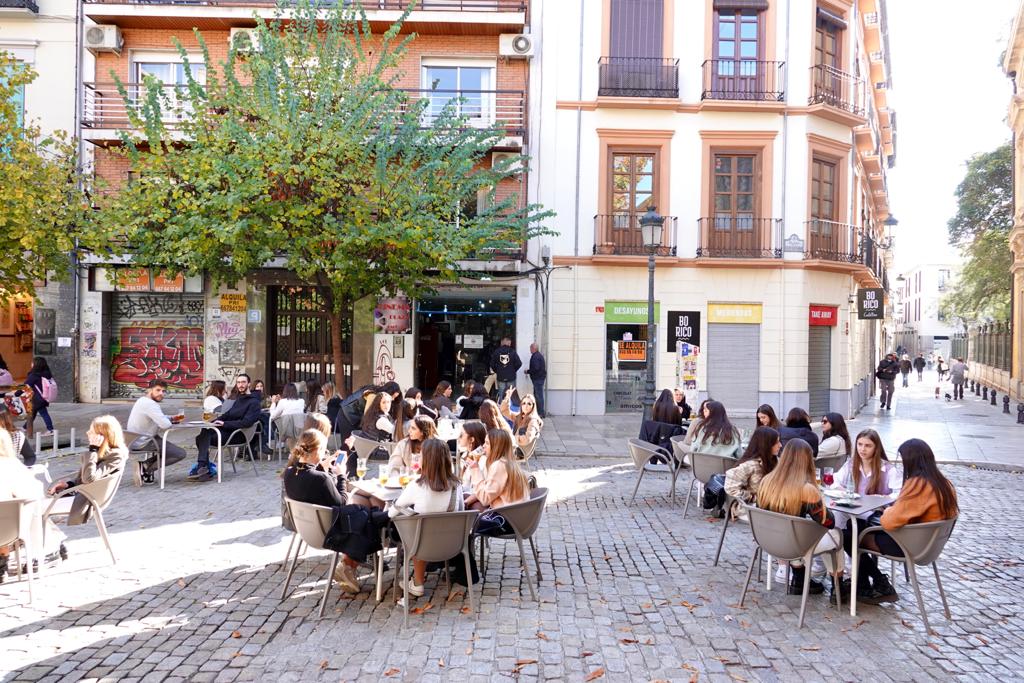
{"x": 651, "y": 231}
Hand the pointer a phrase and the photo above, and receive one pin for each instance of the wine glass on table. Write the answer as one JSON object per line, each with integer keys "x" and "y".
{"x": 828, "y": 476}
{"x": 361, "y": 468}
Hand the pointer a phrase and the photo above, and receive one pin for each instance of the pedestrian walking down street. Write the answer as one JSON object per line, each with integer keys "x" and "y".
{"x": 538, "y": 373}
{"x": 957, "y": 375}
{"x": 886, "y": 374}
{"x": 505, "y": 363}
{"x": 919, "y": 364}
{"x": 942, "y": 367}
{"x": 905, "y": 367}
{"x": 37, "y": 375}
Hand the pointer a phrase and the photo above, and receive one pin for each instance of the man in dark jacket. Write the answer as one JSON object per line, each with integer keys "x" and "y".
{"x": 905, "y": 366}
{"x": 886, "y": 374}
{"x": 505, "y": 363}
{"x": 538, "y": 372}
{"x": 243, "y": 414}
{"x": 919, "y": 364}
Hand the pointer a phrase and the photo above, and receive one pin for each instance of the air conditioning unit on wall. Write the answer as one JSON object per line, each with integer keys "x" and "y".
{"x": 517, "y": 164}
{"x": 516, "y": 45}
{"x": 245, "y": 40}
{"x": 103, "y": 38}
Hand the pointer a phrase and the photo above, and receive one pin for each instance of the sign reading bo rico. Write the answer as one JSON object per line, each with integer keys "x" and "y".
{"x": 871, "y": 304}
{"x": 683, "y": 326}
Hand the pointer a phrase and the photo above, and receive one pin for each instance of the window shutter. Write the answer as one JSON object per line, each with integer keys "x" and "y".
{"x": 758, "y": 5}
{"x": 831, "y": 18}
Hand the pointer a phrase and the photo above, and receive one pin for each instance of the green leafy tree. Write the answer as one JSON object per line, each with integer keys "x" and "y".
{"x": 981, "y": 228}
{"x": 43, "y": 211}
{"x": 304, "y": 151}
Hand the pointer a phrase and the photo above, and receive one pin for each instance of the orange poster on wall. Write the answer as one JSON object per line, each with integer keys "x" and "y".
{"x": 162, "y": 282}
{"x": 632, "y": 351}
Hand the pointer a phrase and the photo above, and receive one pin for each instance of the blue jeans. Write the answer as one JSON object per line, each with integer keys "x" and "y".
{"x": 46, "y": 418}
{"x": 503, "y": 387}
{"x": 538, "y": 393}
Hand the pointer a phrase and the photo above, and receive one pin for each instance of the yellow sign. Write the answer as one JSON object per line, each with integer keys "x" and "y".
{"x": 632, "y": 351}
{"x": 232, "y": 303}
{"x": 735, "y": 313}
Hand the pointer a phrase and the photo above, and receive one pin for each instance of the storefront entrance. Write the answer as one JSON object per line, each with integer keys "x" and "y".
{"x": 625, "y": 368}
{"x": 300, "y": 338}
{"x": 456, "y": 333}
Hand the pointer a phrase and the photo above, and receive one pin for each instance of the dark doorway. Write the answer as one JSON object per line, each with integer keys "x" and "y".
{"x": 299, "y": 348}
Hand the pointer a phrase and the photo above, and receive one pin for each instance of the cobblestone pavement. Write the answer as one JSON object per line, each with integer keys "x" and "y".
{"x": 628, "y": 593}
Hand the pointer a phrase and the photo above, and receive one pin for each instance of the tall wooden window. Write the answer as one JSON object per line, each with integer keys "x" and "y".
{"x": 634, "y": 186}
{"x": 735, "y": 191}
{"x": 823, "y": 207}
{"x": 828, "y": 43}
{"x": 738, "y": 50}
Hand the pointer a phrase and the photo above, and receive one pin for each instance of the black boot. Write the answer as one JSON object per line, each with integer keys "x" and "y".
{"x": 844, "y": 590}
{"x": 796, "y": 583}
{"x": 3, "y": 567}
{"x": 63, "y": 552}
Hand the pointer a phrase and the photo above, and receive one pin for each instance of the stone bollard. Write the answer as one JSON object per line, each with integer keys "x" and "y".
{"x": 1006, "y": 405}
{"x": 993, "y": 401}
{"x": 972, "y": 386}
{"x": 984, "y": 393}
{"x": 1020, "y": 413}
{"x": 977, "y": 389}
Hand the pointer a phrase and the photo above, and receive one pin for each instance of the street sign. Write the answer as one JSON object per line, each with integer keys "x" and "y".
{"x": 871, "y": 303}
{"x": 684, "y": 327}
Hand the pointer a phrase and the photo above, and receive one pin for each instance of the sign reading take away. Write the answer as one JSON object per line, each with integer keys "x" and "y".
{"x": 632, "y": 351}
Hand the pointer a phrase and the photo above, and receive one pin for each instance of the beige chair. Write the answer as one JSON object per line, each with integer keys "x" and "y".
{"x": 242, "y": 447}
{"x": 680, "y": 450}
{"x": 287, "y": 428}
{"x": 525, "y": 451}
{"x": 524, "y": 518}
{"x": 642, "y": 452}
{"x": 364, "y": 447}
{"x": 788, "y": 538}
{"x": 312, "y": 522}
{"x": 100, "y": 494}
{"x": 705, "y": 466}
{"x": 833, "y": 461}
{"x": 921, "y": 544}
{"x": 436, "y": 537}
{"x": 14, "y": 520}
{"x": 140, "y": 449}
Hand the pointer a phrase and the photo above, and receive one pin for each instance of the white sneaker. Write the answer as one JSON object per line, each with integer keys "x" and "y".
{"x": 818, "y": 567}
{"x": 409, "y": 586}
{"x": 780, "y": 573}
{"x": 345, "y": 577}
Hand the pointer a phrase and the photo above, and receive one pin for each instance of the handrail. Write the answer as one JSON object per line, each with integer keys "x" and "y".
{"x": 738, "y": 237}
{"x": 638, "y": 77}
{"x": 837, "y": 89}
{"x": 368, "y": 5}
{"x": 750, "y": 80}
{"x": 619, "y": 234}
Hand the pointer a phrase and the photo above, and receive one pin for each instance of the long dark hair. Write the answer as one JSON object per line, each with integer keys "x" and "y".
{"x": 762, "y": 442}
{"x": 876, "y": 466}
{"x": 798, "y": 417}
{"x": 39, "y": 364}
{"x": 773, "y": 420}
{"x": 289, "y": 391}
{"x": 217, "y": 388}
{"x": 919, "y": 463}
{"x": 476, "y": 431}
{"x": 312, "y": 393}
{"x": 442, "y": 386}
{"x": 412, "y": 392}
{"x": 837, "y": 427}
{"x": 665, "y": 409}
{"x": 717, "y": 425}
{"x": 373, "y": 412}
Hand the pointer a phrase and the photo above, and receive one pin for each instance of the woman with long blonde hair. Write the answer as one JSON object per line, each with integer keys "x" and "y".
{"x": 526, "y": 424}
{"x": 790, "y": 489}
{"x": 503, "y": 482}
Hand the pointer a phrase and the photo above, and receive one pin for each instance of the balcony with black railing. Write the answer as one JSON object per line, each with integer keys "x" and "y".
{"x": 838, "y": 89}
{"x": 747, "y": 80}
{"x": 832, "y": 241}
{"x": 638, "y": 77}
{"x": 368, "y": 5}
{"x": 619, "y": 235}
{"x": 728, "y": 236}
{"x": 19, "y": 6}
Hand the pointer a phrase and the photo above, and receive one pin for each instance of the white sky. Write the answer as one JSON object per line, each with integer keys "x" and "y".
{"x": 951, "y": 99}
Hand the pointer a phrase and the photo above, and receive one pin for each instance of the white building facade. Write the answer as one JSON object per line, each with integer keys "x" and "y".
{"x": 760, "y": 130}
{"x": 920, "y": 324}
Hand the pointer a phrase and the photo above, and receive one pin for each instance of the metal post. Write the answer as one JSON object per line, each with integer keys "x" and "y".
{"x": 984, "y": 393}
{"x": 1006, "y": 405}
{"x": 649, "y": 398}
{"x": 977, "y": 389}
{"x": 993, "y": 401}
{"x": 1020, "y": 413}
{"x": 72, "y": 438}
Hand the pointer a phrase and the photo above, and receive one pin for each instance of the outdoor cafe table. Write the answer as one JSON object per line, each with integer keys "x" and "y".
{"x": 371, "y": 487}
{"x": 194, "y": 424}
{"x": 863, "y": 505}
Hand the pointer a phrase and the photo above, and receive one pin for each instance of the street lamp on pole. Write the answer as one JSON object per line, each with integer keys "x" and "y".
{"x": 651, "y": 231}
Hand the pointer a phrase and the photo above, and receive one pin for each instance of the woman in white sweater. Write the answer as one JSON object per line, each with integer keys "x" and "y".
{"x": 288, "y": 403}
{"x": 835, "y": 437}
{"x": 437, "y": 490}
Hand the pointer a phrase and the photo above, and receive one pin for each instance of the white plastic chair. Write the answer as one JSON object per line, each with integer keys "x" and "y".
{"x": 312, "y": 522}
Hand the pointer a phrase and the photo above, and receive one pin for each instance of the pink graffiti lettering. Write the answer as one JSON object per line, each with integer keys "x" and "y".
{"x": 173, "y": 354}
{"x": 228, "y": 329}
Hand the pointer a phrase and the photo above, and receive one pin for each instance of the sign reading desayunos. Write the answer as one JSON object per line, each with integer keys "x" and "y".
{"x": 629, "y": 312}
{"x": 749, "y": 314}
{"x": 871, "y": 303}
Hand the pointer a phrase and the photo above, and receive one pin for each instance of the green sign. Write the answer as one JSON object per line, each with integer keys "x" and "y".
{"x": 629, "y": 312}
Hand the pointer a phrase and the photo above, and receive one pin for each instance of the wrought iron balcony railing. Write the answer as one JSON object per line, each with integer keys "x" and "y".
{"x": 832, "y": 241}
{"x": 837, "y": 89}
{"x": 738, "y": 237}
{"x": 638, "y": 77}
{"x": 368, "y": 5}
{"x": 748, "y": 80}
{"x": 619, "y": 234}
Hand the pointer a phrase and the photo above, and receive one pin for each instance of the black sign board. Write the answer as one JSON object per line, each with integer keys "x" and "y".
{"x": 683, "y": 326}
{"x": 871, "y": 304}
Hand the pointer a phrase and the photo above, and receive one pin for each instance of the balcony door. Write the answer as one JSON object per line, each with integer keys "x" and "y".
{"x": 739, "y": 71}
{"x": 450, "y": 83}
{"x": 823, "y": 235}
{"x": 828, "y": 41}
{"x": 169, "y": 70}
{"x": 633, "y": 190}
{"x": 735, "y": 226}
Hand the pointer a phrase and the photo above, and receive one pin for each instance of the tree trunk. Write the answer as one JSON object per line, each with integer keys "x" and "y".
{"x": 336, "y": 346}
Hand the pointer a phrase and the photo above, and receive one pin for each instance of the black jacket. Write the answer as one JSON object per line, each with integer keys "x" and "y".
{"x": 800, "y": 432}
{"x": 538, "y": 370}
{"x": 919, "y": 363}
{"x": 905, "y": 367}
{"x": 505, "y": 362}
{"x": 35, "y": 382}
{"x": 471, "y": 407}
{"x": 243, "y": 414}
{"x": 660, "y": 433}
{"x": 887, "y": 370}
{"x": 308, "y": 485}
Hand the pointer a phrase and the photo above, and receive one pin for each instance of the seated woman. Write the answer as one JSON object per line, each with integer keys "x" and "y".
{"x": 407, "y": 451}
{"x": 500, "y": 481}
{"x": 436, "y": 490}
{"x": 790, "y": 489}
{"x": 470, "y": 447}
{"x": 307, "y": 480}
{"x": 526, "y": 424}
{"x": 408, "y": 407}
{"x": 695, "y": 423}
{"x": 471, "y": 402}
{"x": 765, "y": 417}
{"x": 685, "y": 410}
{"x": 835, "y": 437}
{"x": 288, "y": 403}
{"x": 442, "y": 399}
{"x": 16, "y": 482}
{"x": 926, "y": 496}
{"x": 490, "y": 415}
{"x": 760, "y": 458}
{"x": 22, "y": 446}
{"x": 429, "y": 409}
{"x": 377, "y": 423}
{"x": 715, "y": 435}
{"x": 666, "y": 422}
{"x": 214, "y": 396}
{"x": 798, "y": 426}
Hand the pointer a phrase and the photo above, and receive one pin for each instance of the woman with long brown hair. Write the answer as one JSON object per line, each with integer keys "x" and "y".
{"x": 715, "y": 434}
{"x": 377, "y": 423}
{"x": 503, "y": 482}
{"x": 526, "y": 424}
{"x": 790, "y": 488}
{"x": 761, "y": 457}
{"x": 765, "y": 417}
{"x": 407, "y": 451}
{"x": 436, "y": 490}
{"x": 870, "y": 472}
{"x": 490, "y": 415}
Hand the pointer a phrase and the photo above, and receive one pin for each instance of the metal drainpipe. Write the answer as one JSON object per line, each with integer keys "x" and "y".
{"x": 782, "y": 228}
{"x": 576, "y": 217}
{"x": 75, "y": 361}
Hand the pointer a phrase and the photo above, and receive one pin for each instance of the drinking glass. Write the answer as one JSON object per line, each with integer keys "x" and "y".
{"x": 403, "y": 476}
{"x": 382, "y": 475}
{"x": 827, "y": 476}
{"x": 361, "y": 467}
{"x": 817, "y": 476}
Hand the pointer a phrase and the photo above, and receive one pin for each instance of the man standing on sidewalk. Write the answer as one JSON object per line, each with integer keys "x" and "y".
{"x": 538, "y": 372}
{"x": 905, "y": 369}
{"x": 919, "y": 364}
{"x": 957, "y": 372}
{"x": 886, "y": 374}
{"x": 505, "y": 363}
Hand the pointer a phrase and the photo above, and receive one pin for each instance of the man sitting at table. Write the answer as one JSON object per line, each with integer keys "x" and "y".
{"x": 244, "y": 413}
{"x": 148, "y": 420}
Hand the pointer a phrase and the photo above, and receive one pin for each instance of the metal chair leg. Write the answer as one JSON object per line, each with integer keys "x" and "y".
{"x": 288, "y": 555}
{"x": 17, "y": 559}
{"x": 536, "y": 560}
{"x": 807, "y": 588}
{"x": 721, "y": 539}
{"x": 942, "y": 593}
{"x": 637, "y": 487}
{"x": 330, "y": 579}
{"x": 469, "y": 581}
{"x": 689, "y": 494}
{"x": 101, "y": 525}
{"x": 526, "y": 568}
{"x": 405, "y": 597}
{"x": 917, "y": 592}
{"x": 291, "y": 571}
{"x": 252, "y": 457}
{"x": 750, "y": 570}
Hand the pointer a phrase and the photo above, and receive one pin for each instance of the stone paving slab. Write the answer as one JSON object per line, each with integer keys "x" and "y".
{"x": 627, "y": 590}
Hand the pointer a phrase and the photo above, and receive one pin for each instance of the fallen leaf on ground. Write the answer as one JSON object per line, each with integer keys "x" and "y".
{"x": 236, "y": 654}
{"x": 907, "y": 624}
{"x": 520, "y": 663}
{"x": 456, "y": 595}
{"x": 181, "y": 583}
{"x": 465, "y": 610}
{"x": 586, "y": 654}
{"x": 744, "y": 624}
{"x": 236, "y": 634}
{"x": 983, "y": 641}
{"x": 469, "y": 650}
{"x": 736, "y": 677}
{"x": 689, "y": 667}
{"x": 694, "y": 677}
{"x": 646, "y": 605}
{"x": 209, "y": 514}
{"x": 440, "y": 663}
{"x": 421, "y": 610}
{"x": 933, "y": 646}
{"x": 542, "y": 636}
{"x": 811, "y": 648}
{"x": 323, "y": 664}
{"x": 595, "y": 674}
{"x": 607, "y": 557}
{"x": 392, "y": 671}
{"x": 627, "y": 641}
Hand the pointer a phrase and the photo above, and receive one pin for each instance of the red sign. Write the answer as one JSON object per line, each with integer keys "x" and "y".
{"x": 823, "y": 315}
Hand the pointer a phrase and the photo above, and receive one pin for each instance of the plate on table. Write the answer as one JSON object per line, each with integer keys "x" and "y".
{"x": 840, "y": 493}
{"x": 393, "y": 484}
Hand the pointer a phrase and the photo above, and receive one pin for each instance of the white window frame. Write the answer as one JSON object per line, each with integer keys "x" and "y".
{"x": 488, "y": 103}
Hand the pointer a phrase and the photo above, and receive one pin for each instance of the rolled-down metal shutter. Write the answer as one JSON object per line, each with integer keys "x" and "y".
{"x": 156, "y": 336}
{"x": 819, "y": 369}
{"x": 734, "y": 371}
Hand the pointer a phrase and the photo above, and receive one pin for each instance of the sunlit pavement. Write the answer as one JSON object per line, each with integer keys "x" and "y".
{"x": 627, "y": 590}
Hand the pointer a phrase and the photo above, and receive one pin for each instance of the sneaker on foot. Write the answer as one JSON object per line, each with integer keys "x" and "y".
{"x": 148, "y": 477}
{"x": 202, "y": 473}
{"x": 780, "y": 573}
{"x": 882, "y": 591}
{"x": 345, "y": 577}
{"x": 409, "y": 586}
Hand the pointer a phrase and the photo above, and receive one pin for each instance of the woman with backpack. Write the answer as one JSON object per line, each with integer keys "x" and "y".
{"x": 39, "y": 380}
